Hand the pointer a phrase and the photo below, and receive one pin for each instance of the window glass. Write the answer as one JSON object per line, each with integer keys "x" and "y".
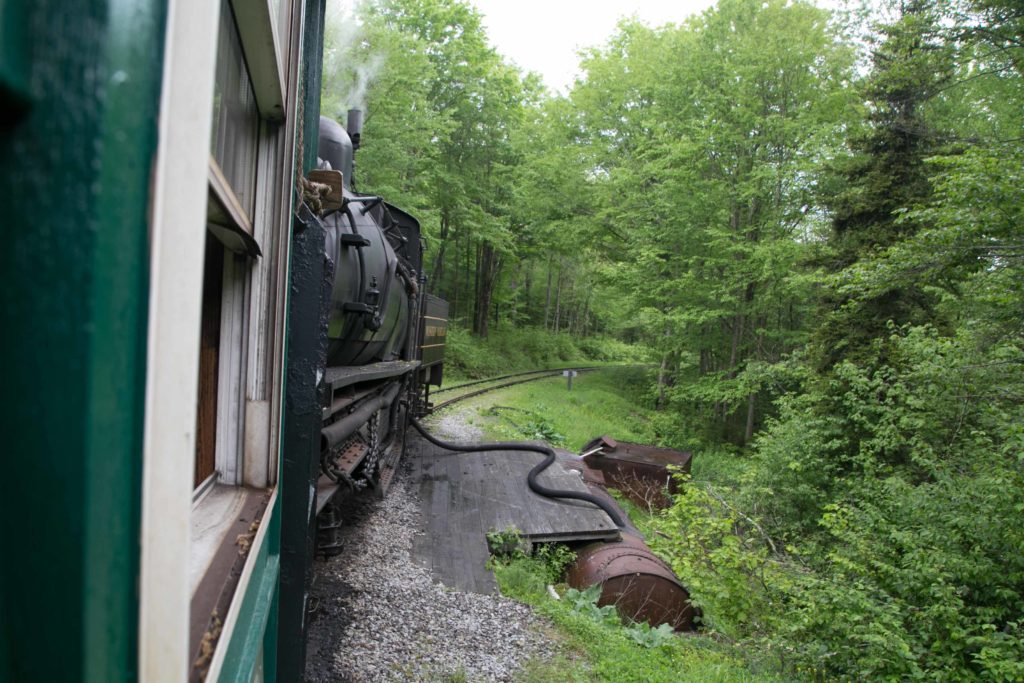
{"x": 236, "y": 121}
{"x": 282, "y": 10}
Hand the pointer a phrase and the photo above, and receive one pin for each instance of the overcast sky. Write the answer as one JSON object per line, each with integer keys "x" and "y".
{"x": 545, "y": 35}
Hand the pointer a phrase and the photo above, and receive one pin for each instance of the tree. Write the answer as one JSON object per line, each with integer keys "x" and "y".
{"x": 885, "y": 175}
{"x": 704, "y": 137}
{"x": 442, "y": 112}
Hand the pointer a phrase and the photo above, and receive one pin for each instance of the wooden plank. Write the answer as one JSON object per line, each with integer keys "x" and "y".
{"x": 466, "y": 495}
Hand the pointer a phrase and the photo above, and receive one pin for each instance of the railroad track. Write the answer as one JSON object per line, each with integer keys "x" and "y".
{"x": 515, "y": 378}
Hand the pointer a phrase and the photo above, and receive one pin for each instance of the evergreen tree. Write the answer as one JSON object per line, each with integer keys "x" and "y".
{"x": 885, "y": 176}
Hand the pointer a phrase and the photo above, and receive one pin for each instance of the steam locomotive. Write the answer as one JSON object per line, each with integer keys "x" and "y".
{"x": 385, "y": 334}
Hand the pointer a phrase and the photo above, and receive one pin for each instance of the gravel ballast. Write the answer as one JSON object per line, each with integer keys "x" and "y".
{"x": 381, "y": 617}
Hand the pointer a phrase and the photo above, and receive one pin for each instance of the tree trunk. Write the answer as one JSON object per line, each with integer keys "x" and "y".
{"x": 466, "y": 270}
{"x": 435, "y": 276}
{"x": 570, "y": 306}
{"x": 662, "y": 377}
{"x": 476, "y": 293}
{"x": 581, "y": 330}
{"x": 748, "y": 433}
{"x": 558, "y": 297}
{"x": 490, "y": 267}
{"x": 737, "y": 334}
{"x": 547, "y": 298}
{"x": 456, "y": 271}
{"x": 528, "y": 291}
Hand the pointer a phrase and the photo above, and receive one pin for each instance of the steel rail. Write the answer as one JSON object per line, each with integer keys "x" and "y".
{"x": 550, "y": 373}
{"x": 514, "y": 374}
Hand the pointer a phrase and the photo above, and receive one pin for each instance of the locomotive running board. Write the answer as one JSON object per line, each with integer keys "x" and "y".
{"x": 340, "y": 376}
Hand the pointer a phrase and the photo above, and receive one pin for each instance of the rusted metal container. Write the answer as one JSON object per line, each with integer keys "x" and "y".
{"x": 572, "y": 461}
{"x": 635, "y": 580}
{"x": 640, "y": 472}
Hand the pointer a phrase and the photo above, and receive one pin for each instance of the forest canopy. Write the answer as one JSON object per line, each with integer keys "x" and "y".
{"x": 814, "y": 223}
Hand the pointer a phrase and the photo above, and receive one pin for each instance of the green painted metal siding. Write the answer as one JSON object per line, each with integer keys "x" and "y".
{"x": 306, "y": 360}
{"x": 76, "y": 169}
{"x": 254, "y": 636}
{"x": 14, "y": 52}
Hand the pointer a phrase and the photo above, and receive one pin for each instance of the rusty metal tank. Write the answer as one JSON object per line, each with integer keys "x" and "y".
{"x": 640, "y": 472}
{"x": 635, "y": 580}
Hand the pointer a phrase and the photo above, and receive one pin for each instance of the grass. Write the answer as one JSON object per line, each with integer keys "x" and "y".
{"x": 598, "y": 650}
{"x": 512, "y": 349}
{"x": 604, "y": 402}
{"x": 601, "y": 402}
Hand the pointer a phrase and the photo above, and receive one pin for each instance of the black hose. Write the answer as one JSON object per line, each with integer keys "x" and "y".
{"x": 531, "y": 478}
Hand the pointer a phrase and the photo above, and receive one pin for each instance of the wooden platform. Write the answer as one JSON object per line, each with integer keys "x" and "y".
{"x": 465, "y": 495}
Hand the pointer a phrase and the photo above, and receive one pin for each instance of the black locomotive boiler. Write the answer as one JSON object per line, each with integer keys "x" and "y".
{"x": 384, "y": 334}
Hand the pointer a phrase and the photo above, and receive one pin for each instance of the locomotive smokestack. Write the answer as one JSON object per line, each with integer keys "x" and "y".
{"x": 355, "y": 126}
{"x": 355, "y": 131}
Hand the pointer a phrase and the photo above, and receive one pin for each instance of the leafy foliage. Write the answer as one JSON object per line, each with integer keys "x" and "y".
{"x": 535, "y": 427}
{"x": 645, "y": 636}
{"x": 555, "y": 557}
{"x": 506, "y": 543}
{"x": 895, "y": 491}
{"x": 704, "y": 135}
{"x": 824, "y": 258}
{"x": 594, "y": 645}
{"x": 507, "y": 350}
{"x": 585, "y": 602}
{"x": 874, "y": 533}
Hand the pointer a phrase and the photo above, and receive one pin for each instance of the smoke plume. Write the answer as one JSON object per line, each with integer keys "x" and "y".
{"x": 350, "y": 62}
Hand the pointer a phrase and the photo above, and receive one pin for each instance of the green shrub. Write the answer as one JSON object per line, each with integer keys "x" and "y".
{"x": 555, "y": 557}
{"x": 595, "y": 646}
{"x": 721, "y": 559}
{"x": 645, "y": 636}
{"x": 532, "y": 425}
{"x": 506, "y": 544}
{"x": 585, "y": 602}
{"x": 511, "y": 349}
{"x": 893, "y": 496}
{"x": 609, "y": 349}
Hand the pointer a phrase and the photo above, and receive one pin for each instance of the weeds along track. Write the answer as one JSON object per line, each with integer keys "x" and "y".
{"x": 512, "y": 379}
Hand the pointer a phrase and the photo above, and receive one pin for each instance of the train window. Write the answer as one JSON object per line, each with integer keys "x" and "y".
{"x": 258, "y": 24}
{"x": 284, "y": 23}
{"x": 209, "y": 352}
{"x": 228, "y": 221}
{"x": 238, "y": 401}
{"x": 244, "y": 302}
{"x": 236, "y": 120}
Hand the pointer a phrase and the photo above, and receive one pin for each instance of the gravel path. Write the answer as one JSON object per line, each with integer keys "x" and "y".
{"x": 454, "y": 426}
{"x": 380, "y": 617}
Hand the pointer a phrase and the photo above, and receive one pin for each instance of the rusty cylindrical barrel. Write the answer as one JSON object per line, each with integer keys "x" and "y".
{"x": 635, "y": 580}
